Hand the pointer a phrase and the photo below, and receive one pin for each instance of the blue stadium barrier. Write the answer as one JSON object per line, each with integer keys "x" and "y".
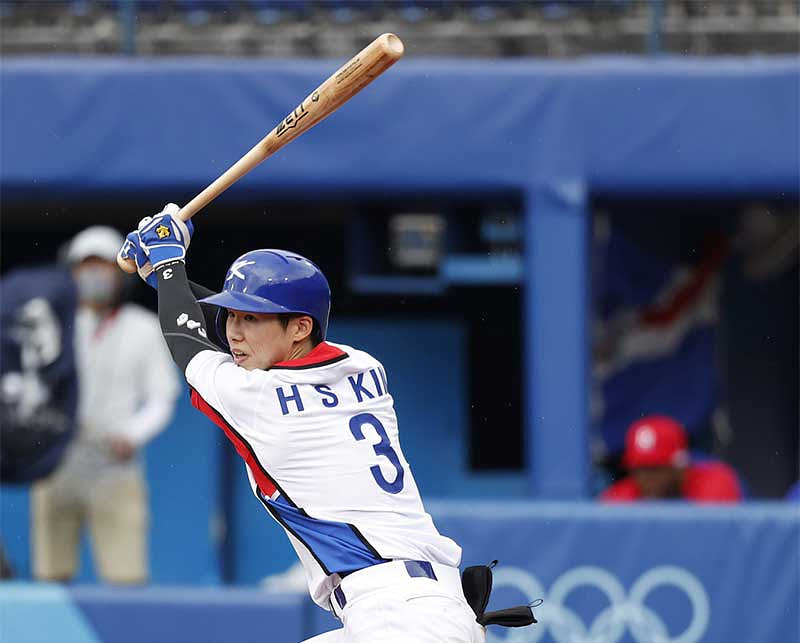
{"x": 637, "y": 574}
{"x": 650, "y": 572}
{"x": 42, "y": 613}
{"x": 557, "y": 132}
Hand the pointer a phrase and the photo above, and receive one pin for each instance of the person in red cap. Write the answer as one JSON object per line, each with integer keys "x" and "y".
{"x": 657, "y": 457}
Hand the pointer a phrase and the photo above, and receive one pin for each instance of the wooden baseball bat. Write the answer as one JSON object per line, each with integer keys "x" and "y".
{"x": 345, "y": 83}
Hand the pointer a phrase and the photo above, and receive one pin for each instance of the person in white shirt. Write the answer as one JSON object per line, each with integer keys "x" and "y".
{"x": 315, "y": 424}
{"x": 126, "y": 397}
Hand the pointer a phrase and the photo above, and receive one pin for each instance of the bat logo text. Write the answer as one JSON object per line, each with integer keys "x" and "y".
{"x": 291, "y": 121}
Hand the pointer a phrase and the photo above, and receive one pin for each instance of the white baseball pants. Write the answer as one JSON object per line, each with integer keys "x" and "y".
{"x": 386, "y": 605}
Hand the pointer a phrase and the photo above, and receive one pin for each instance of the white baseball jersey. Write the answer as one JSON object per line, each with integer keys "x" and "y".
{"x": 319, "y": 437}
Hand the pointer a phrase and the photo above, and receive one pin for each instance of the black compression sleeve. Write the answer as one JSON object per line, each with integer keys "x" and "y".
{"x": 209, "y": 310}
{"x": 199, "y": 291}
{"x": 181, "y": 318}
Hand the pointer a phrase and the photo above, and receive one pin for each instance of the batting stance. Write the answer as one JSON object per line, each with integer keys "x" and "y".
{"x": 315, "y": 424}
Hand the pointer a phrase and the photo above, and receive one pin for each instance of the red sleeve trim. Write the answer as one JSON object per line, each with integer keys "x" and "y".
{"x": 322, "y": 355}
{"x": 266, "y": 485}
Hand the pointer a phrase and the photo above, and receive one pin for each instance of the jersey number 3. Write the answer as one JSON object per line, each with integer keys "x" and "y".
{"x": 383, "y": 448}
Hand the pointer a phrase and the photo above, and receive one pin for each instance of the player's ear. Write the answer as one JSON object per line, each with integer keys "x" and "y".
{"x": 303, "y": 325}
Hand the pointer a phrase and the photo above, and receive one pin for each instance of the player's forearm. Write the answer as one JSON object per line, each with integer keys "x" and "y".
{"x": 182, "y": 321}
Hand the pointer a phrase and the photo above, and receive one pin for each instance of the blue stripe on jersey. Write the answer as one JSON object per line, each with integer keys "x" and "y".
{"x": 337, "y": 546}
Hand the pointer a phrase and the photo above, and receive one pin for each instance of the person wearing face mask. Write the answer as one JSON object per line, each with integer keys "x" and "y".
{"x": 125, "y": 399}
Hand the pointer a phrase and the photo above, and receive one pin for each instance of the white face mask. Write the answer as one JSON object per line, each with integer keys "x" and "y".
{"x": 96, "y": 285}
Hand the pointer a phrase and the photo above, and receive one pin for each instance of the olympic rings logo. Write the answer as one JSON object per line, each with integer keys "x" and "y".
{"x": 626, "y": 610}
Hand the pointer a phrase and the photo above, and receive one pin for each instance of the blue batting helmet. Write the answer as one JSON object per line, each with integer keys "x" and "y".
{"x": 274, "y": 281}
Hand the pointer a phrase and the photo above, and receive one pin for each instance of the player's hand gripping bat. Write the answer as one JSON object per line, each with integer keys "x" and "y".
{"x": 345, "y": 83}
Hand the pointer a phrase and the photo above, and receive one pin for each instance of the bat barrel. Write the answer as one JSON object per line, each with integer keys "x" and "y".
{"x": 391, "y": 45}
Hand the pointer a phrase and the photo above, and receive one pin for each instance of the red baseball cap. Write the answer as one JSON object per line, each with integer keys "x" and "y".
{"x": 656, "y": 441}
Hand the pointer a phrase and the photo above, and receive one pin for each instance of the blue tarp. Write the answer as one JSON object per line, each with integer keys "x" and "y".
{"x": 709, "y": 125}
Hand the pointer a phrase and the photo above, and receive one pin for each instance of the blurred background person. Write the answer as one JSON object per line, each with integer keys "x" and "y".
{"x": 657, "y": 457}
{"x": 124, "y": 401}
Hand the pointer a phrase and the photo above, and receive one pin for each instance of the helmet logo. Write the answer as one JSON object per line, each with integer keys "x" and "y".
{"x": 236, "y": 270}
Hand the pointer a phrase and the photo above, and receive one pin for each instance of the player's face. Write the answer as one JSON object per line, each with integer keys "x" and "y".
{"x": 658, "y": 482}
{"x": 257, "y": 340}
{"x": 98, "y": 282}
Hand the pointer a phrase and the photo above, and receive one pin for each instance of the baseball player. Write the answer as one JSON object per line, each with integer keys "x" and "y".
{"x": 315, "y": 424}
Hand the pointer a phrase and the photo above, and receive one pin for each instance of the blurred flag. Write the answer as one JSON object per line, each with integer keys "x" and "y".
{"x": 38, "y": 383}
{"x": 654, "y": 337}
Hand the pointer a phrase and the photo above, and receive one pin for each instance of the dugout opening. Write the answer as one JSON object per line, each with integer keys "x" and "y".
{"x": 694, "y": 315}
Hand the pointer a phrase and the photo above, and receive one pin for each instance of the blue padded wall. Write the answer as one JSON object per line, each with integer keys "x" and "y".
{"x": 703, "y": 127}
